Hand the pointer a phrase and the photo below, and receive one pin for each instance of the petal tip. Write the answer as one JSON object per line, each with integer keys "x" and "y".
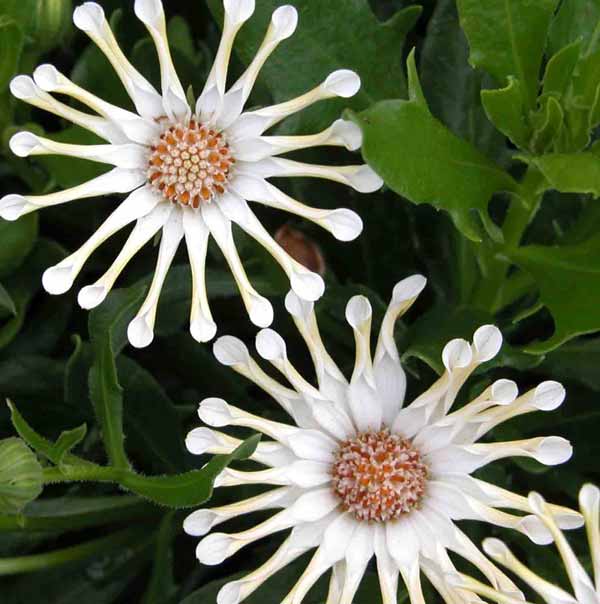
{"x": 47, "y": 77}
{"x": 409, "y": 288}
{"x": 487, "y": 341}
{"x": 549, "y": 395}
{"x": 89, "y": 17}
{"x": 358, "y": 311}
{"x": 23, "y": 87}
{"x": 203, "y": 330}
{"x": 12, "y": 206}
{"x": 229, "y": 350}
{"x": 23, "y": 143}
{"x": 215, "y": 412}
{"x": 343, "y": 83}
{"x": 140, "y": 333}
{"x": 238, "y": 11}
{"x": 91, "y": 296}
{"x": 58, "y": 279}
{"x": 285, "y": 21}
{"x": 270, "y": 345}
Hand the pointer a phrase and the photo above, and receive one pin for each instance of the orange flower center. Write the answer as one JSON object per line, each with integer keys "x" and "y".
{"x": 379, "y": 476}
{"x": 190, "y": 164}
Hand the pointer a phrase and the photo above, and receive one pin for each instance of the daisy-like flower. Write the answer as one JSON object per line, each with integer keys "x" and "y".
{"x": 189, "y": 172}
{"x": 357, "y": 475}
{"x": 586, "y": 591}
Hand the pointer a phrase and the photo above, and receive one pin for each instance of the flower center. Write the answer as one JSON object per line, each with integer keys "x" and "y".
{"x": 190, "y": 164}
{"x": 379, "y": 476}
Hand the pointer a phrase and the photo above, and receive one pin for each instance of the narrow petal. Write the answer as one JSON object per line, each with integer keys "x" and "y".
{"x": 331, "y": 380}
{"x": 343, "y": 224}
{"x": 302, "y": 538}
{"x": 283, "y": 24}
{"x": 259, "y": 308}
{"x": 361, "y": 177}
{"x": 500, "y": 553}
{"x": 342, "y": 83}
{"x": 152, "y": 15}
{"x": 390, "y": 378}
{"x": 237, "y": 12}
{"x": 362, "y": 394}
{"x": 233, "y": 353}
{"x": 128, "y": 156}
{"x": 589, "y": 503}
{"x": 141, "y": 330}
{"x": 59, "y": 278}
{"x": 90, "y": 18}
{"x": 144, "y": 230}
{"x": 305, "y": 283}
{"x": 14, "y": 206}
{"x": 342, "y": 133}
{"x": 134, "y": 127}
{"x": 360, "y": 550}
{"x": 302, "y": 473}
{"x": 25, "y": 89}
{"x": 202, "y": 521}
{"x": 202, "y": 325}
{"x": 466, "y": 582}
{"x": 204, "y": 440}
{"x": 387, "y": 570}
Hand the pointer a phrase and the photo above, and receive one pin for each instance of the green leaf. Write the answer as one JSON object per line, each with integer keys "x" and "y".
{"x": 188, "y": 489}
{"x": 162, "y": 588}
{"x": 507, "y": 38}
{"x": 11, "y": 46}
{"x": 20, "y": 475}
{"x": 569, "y": 286}
{"x": 547, "y": 124}
{"x": 577, "y": 360}
{"x": 559, "y": 69}
{"x": 58, "y": 452}
{"x": 107, "y": 327}
{"x": 573, "y": 20}
{"x": 6, "y": 302}
{"x": 325, "y": 42}
{"x": 151, "y": 419}
{"x": 571, "y": 172}
{"x": 76, "y": 513}
{"x": 451, "y": 85}
{"x": 18, "y": 239}
{"x": 505, "y": 107}
{"x": 406, "y": 145}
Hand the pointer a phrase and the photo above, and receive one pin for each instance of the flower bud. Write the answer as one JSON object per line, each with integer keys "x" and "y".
{"x": 50, "y": 23}
{"x": 20, "y": 475}
{"x": 301, "y": 248}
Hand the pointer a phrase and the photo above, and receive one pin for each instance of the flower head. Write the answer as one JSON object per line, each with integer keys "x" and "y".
{"x": 357, "y": 474}
{"x": 188, "y": 171}
{"x": 585, "y": 589}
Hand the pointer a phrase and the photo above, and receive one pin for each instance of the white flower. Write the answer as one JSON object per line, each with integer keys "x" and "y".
{"x": 586, "y": 591}
{"x": 189, "y": 172}
{"x": 360, "y": 476}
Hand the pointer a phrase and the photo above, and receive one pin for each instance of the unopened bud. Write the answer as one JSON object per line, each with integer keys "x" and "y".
{"x": 50, "y": 23}
{"x": 301, "y": 248}
{"x": 20, "y": 475}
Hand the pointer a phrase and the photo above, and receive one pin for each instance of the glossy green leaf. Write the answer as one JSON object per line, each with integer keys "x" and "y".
{"x": 505, "y": 107}
{"x": 507, "y": 38}
{"x": 11, "y": 46}
{"x": 150, "y": 418}
{"x": 571, "y": 172}
{"x": 20, "y": 475}
{"x": 569, "y": 286}
{"x": 451, "y": 85}
{"x": 107, "y": 327}
{"x": 577, "y": 360}
{"x": 406, "y": 145}
{"x": 309, "y": 56}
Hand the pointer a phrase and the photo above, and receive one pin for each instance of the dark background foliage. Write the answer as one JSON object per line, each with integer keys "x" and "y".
{"x": 92, "y": 541}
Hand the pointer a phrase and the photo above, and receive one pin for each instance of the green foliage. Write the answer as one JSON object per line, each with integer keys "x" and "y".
{"x": 481, "y": 117}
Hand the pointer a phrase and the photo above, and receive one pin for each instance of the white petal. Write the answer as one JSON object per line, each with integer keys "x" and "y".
{"x": 487, "y": 341}
{"x": 89, "y": 17}
{"x": 259, "y": 308}
{"x": 140, "y": 331}
{"x": 312, "y": 444}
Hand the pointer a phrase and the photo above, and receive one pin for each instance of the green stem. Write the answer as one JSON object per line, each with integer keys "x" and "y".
{"x": 26, "y": 564}
{"x": 524, "y": 205}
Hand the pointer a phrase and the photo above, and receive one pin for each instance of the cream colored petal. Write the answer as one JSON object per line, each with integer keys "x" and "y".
{"x": 259, "y": 308}
{"x": 25, "y": 89}
{"x": 202, "y": 326}
{"x": 305, "y": 283}
{"x": 342, "y": 83}
{"x": 90, "y": 18}
{"x": 140, "y": 331}
{"x": 152, "y": 15}
{"x": 589, "y": 503}
{"x": 343, "y": 224}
